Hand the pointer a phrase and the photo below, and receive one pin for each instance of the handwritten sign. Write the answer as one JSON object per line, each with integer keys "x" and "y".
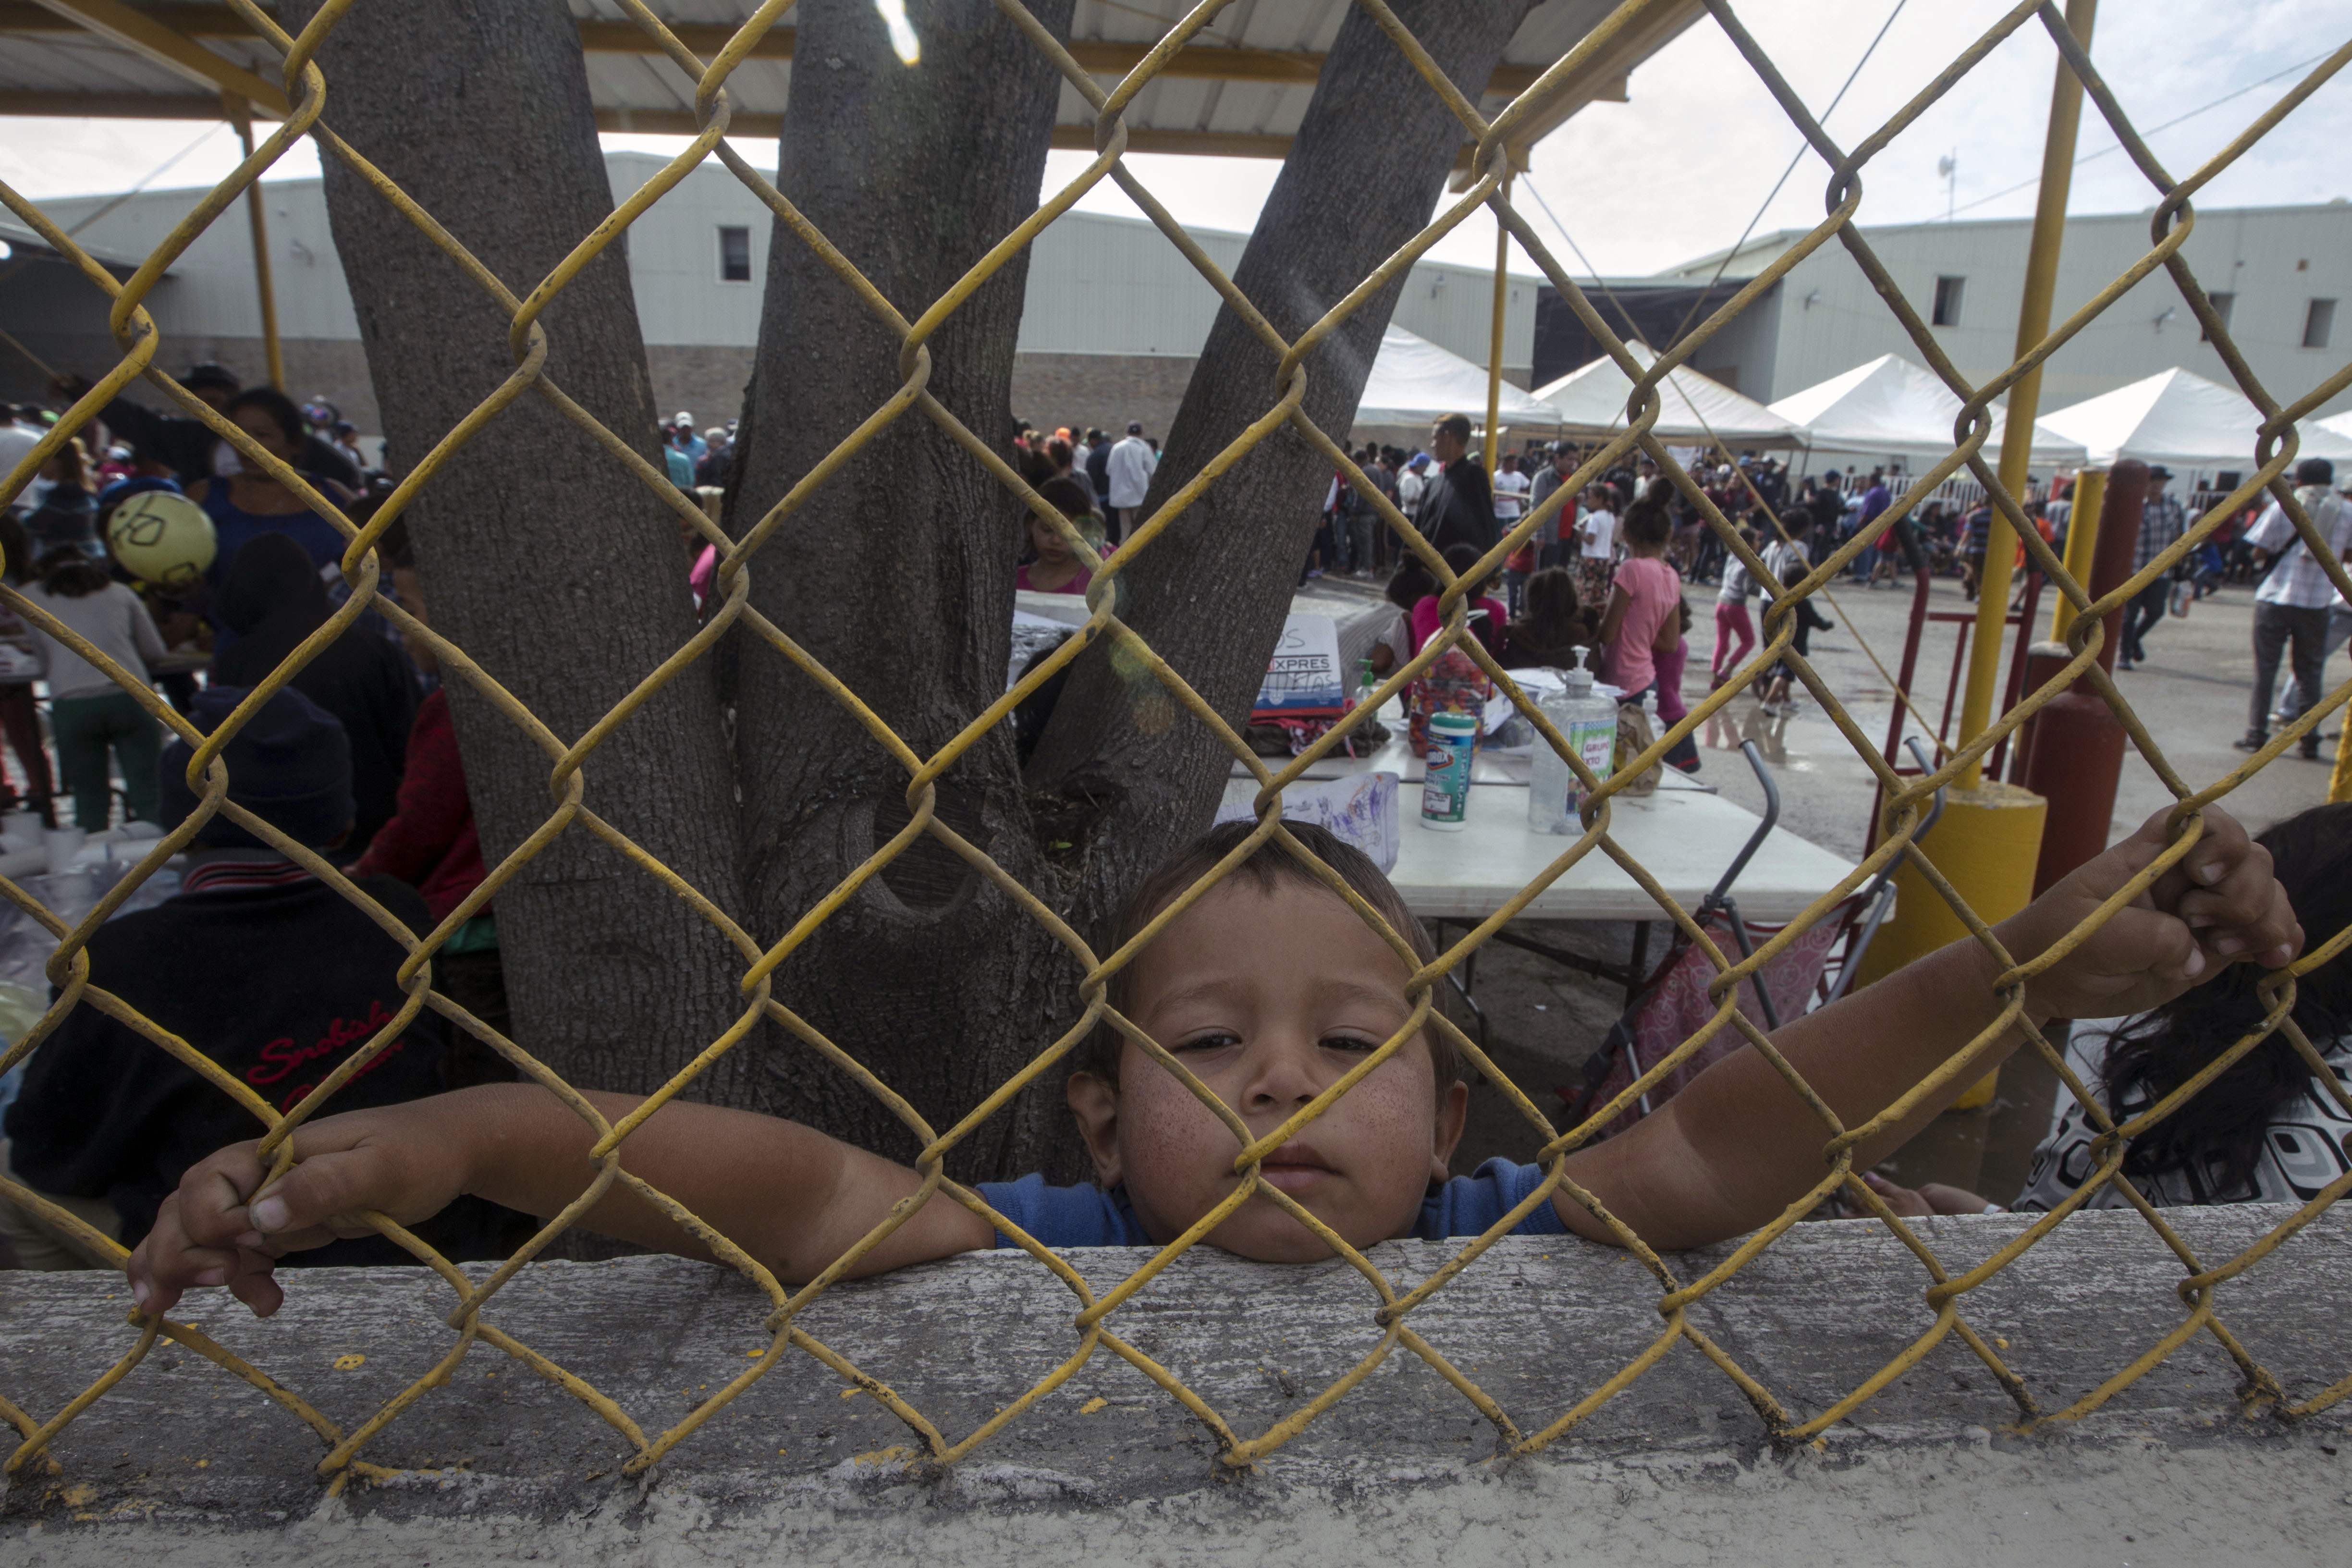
{"x": 1304, "y": 679}
{"x": 1360, "y": 809}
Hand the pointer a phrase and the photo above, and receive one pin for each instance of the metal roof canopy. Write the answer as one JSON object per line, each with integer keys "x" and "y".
{"x": 1240, "y": 91}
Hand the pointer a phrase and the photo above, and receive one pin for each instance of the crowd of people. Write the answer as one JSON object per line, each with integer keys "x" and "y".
{"x": 278, "y": 979}
{"x": 276, "y": 976}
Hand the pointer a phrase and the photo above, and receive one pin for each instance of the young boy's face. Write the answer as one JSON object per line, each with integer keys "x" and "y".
{"x": 1269, "y": 998}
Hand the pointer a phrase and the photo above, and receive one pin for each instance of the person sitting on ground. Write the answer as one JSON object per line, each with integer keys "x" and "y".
{"x": 1554, "y": 628}
{"x": 2268, "y": 1130}
{"x": 90, "y": 715}
{"x": 272, "y": 601}
{"x": 257, "y": 965}
{"x": 1486, "y": 613}
{"x": 1269, "y": 989}
{"x": 1053, "y": 567}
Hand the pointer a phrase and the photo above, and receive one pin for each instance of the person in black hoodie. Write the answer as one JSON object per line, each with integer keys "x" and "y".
{"x": 257, "y": 965}
{"x": 272, "y": 598}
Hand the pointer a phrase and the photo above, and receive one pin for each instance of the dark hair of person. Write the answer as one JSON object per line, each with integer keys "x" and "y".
{"x": 1646, "y": 521}
{"x": 16, "y": 545}
{"x": 1411, "y": 584}
{"x": 2219, "y": 1130}
{"x": 1058, "y": 453}
{"x": 1457, "y": 426}
{"x": 1068, "y": 496}
{"x": 1554, "y": 626}
{"x": 277, "y": 406}
{"x": 1462, "y": 560}
{"x": 70, "y": 573}
{"x": 1269, "y": 868}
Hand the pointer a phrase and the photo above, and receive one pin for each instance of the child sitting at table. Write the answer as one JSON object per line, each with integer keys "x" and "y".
{"x": 1269, "y": 989}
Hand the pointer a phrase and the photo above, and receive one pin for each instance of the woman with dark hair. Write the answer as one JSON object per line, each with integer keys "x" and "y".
{"x": 1053, "y": 567}
{"x": 1486, "y": 613}
{"x": 1554, "y": 626}
{"x": 272, "y": 600}
{"x": 245, "y": 503}
{"x": 90, "y": 715}
{"x": 2269, "y": 1130}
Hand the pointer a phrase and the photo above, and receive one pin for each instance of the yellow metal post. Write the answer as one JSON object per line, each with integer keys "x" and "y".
{"x": 2025, "y": 396}
{"x": 1989, "y": 839}
{"x": 240, "y": 114}
{"x": 1493, "y": 443}
{"x": 2082, "y": 539}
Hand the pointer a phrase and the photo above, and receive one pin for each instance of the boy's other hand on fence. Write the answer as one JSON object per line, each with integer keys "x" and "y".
{"x": 2218, "y": 905}
{"x": 229, "y": 1225}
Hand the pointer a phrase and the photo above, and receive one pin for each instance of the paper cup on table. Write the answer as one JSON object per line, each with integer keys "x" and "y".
{"x": 64, "y": 845}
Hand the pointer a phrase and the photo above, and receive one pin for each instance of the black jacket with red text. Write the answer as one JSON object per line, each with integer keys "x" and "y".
{"x": 270, "y": 973}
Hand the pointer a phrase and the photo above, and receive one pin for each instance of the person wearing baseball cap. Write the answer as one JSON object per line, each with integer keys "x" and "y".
{"x": 256, "y": 963}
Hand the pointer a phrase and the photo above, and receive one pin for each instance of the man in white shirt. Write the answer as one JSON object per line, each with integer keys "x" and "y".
{"x": 1131, "y": 462}
{"x": 1411, "y": 480}
{"x": 2292, "y": 604}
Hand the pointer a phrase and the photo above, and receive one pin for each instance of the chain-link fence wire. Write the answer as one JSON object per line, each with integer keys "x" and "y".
{"x": 1389, "y": 1303}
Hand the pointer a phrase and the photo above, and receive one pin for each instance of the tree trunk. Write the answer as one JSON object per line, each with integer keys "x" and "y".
{"x": 540, "y": 554}
{"x": 897, "y": 574}
{"x": 1365, "y": 173}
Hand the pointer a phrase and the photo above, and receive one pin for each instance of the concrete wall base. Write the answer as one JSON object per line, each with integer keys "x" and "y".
{"x": 498, "y": 1464}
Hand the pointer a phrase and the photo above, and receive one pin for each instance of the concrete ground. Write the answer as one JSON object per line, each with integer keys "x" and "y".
{"x": 1544, "y": 1020}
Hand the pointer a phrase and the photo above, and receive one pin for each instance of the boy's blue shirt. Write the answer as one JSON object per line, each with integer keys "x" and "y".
{"x": 1090, "y": 1216}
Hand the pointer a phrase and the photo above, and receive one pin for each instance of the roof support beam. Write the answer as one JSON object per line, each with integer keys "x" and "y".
{"x": 176, "y": 52}
{"x": 1600, "y": 79}
{"x": 1296, "y": 68}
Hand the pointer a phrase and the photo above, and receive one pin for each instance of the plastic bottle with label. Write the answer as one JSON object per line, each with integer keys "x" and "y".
{"x": 1447, "y": 755}
{"x": 1587, "y": 722}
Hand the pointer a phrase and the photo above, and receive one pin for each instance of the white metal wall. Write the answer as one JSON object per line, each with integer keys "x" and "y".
{"x": 2275, "y": 261}
{"x": 1097, "y": 285}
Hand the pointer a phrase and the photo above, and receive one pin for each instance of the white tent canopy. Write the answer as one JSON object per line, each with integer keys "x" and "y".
{"x": 2176, "y": 417}
{"x": 1414, "y": 382}
{"x": 1591, "y": 400}
{"x": 1891, "y": 410}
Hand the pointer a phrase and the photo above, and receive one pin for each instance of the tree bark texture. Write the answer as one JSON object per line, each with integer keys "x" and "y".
{"x": 540, "y": 554}
{"x": 897, "y": 574}
{"x": 1365, "y": 172}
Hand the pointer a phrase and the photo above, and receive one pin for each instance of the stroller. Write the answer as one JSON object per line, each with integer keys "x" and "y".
{"x": 1671, "y": 1003}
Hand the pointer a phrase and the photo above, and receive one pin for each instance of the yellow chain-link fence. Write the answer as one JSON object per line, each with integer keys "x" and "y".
{"x": 1390, "y": 1304}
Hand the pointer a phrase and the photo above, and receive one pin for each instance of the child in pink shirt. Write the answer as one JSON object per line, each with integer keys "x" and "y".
{"x": 1642, "y": 626}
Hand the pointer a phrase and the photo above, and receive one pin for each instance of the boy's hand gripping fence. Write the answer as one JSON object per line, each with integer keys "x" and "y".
{"x": 1389, "y": 1304}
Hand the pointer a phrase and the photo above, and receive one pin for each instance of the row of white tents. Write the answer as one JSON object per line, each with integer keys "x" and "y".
{"x": 1888, "y": 412}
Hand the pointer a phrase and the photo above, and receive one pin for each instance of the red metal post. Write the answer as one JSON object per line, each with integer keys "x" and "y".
{"x": 2073, "y": 755}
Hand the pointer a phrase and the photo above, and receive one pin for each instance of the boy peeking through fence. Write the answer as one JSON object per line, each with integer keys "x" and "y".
{"x": 1270, "y": 989}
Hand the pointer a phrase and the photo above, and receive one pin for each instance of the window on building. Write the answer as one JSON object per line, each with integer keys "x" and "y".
{"x": 1948, "y": 302}
{"x": 734, "y": 255}
{"x": 2318, "y": 323}
{"x": 2221, "y": 303}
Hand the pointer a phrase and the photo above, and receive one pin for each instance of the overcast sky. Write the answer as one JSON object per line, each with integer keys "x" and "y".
{"x": 1681, "y": 169}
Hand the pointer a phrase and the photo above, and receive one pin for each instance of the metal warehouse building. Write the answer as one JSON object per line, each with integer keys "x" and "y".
{"x": 2278, "y": 275}
{"x": 1113, "y": 320}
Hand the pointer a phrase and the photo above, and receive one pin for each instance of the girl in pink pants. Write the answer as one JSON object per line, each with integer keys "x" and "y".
{"x": 1735, "y": 630}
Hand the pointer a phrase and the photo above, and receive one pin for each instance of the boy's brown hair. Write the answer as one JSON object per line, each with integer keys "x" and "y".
{"x": 1269, "y": 868}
